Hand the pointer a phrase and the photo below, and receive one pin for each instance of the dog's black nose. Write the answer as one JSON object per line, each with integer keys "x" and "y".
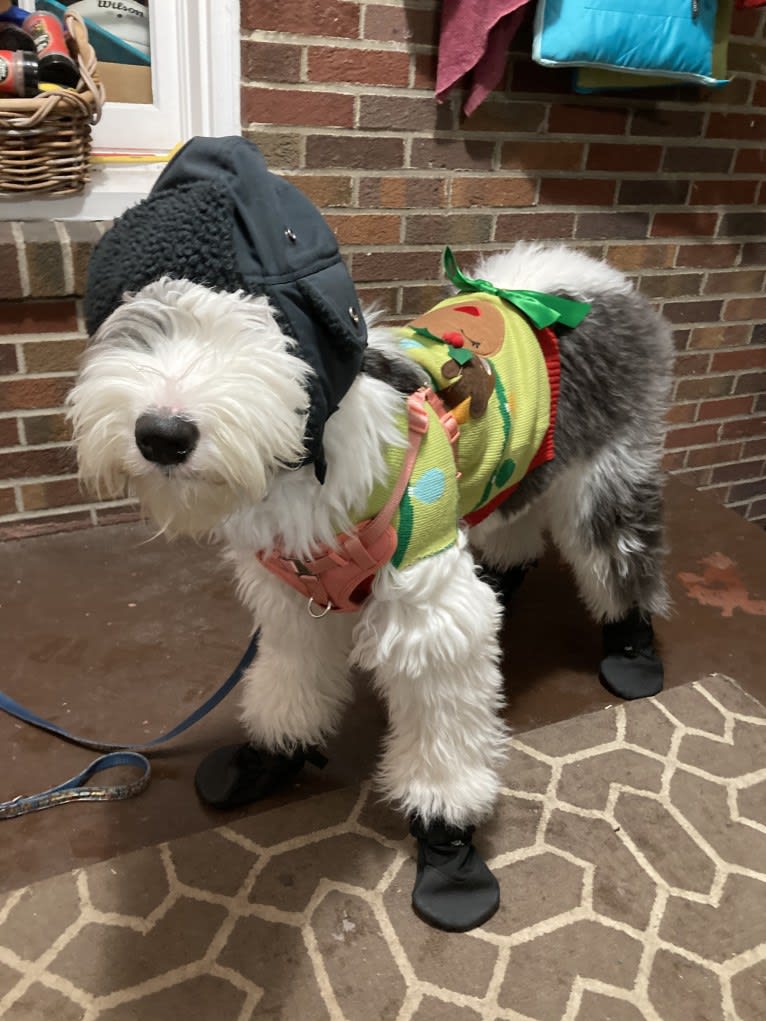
{"x": 165, "y": 439}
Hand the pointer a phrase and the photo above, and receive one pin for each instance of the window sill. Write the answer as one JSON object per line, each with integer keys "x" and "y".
{"x": 112, "y": 190}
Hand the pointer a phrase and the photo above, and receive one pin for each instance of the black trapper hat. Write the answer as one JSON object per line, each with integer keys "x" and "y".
{"x": 218, "y": 217}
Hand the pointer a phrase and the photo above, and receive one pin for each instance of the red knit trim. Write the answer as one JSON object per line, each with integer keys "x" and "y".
{"x": 549, "y": 345}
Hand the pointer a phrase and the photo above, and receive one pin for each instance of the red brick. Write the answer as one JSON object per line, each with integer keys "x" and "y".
{"x": 669, "y": 225}
{"x": 691, "y": 436}
{"x": 384, "y": 298}
{"x": 526, "y": 155}
{"x": 403, "y": 192}
{"x": 650, "y": 256}
{"x": 416, "y": 299}
{"x": 747, "y": 491}
{"x": 721, "y": 453}
{"x": 747, "y": 126}
{"x": 653, "y": 193}
{"x": 708, "y": 255}
{"x": 742, "y": 428}
{"x": 274, "y": 62}
{"x": 751, "y": 383}
{"x": 400, "y": 24}
{"x": 661, "y": 122}
{"x": 694, "y": 477}
{"x": 9, "y": 432}
{"x": 571, "y": 192}
{"x": 402, "y": 113}
{"x": 719, "y": 335}
{"x": 722, "y": 193}
{"x": 364, "y": 229}
{"x": 425, "y": 71}
{"x": 8, "y": 363}
{"x": 300, "y": 108}
{"x": 53, "y": 355}
{"x": 43, "y": 429}
{"x": 625, "y": 226}
{"x": 454, "y": 229}
{"x": 353, "y": 153}
{"x": 739, "y": 281}
{"x": 7, "y": 501}
{"x": 754, "y": 448}
{"x": 759, "y": 94}
{"x": 728, "y": 407}
{"x": 738, "y": 471}
{"x": 37, "y": 317}
{"x": 692, "y": 311}
{"x": 330, "y": 18}
{"x": 672, "y": 460}
{"x": 492, "y": 191}
{"x": 590, "y": 120}
{"x": 636, "y": 157}
{"x": 697, "y": 159}
{"x": 671, "y": 285}
{"x": 10, "y": 281}
{"x": 728, "y": 361}
{"x": 757, "y": 511}
{"x": 324, "y": 190}
{"x": 365, "y": 67}
{"x": 531, "y": 226}
{"x": 750, "y": 161}
{"x": 22, "y": 394}
{"x": 745, "y": 308}
{"x": 692, "y": 364}
{"x": 401, "y": 265}
{"x": 742, "y": 224}
{"x": 45, "y": 495}
{"x": 506, "y": 117}
{"x": 682, "y": 414}
{"x": 452, "y": 154}
{"x": 20, "y": 464}
{"x": 753, "y": 253}
{"x": 703, "y": 386}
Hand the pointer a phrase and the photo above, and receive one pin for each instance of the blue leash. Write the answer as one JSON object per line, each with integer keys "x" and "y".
{"x": 118, "y": 754}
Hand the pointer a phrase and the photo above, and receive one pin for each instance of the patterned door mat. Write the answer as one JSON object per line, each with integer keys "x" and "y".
{"x": 630, "y": 845}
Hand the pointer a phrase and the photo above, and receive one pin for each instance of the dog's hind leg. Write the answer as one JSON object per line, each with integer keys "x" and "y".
{"x": 293, "y": 696}
{"x": 605, "y": 515}
{"x": 507, "y": 548}
{"x": 430, "y": 636}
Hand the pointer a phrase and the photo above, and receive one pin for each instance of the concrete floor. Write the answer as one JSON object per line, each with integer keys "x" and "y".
{"x": 118, "y": 638}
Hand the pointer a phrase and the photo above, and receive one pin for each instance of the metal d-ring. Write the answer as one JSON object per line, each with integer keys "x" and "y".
{"x": 318, "y": 616}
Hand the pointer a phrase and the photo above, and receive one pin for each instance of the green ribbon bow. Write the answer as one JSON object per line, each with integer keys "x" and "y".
{"x": 542, "y": 309}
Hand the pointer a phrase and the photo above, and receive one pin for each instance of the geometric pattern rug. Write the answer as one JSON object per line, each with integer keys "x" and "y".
{"x": 630, "y": 846}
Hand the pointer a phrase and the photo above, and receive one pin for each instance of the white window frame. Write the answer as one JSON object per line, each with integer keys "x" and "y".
{"x": 195, "y": 89}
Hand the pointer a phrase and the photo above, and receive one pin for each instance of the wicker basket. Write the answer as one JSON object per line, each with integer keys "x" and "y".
{"x": 45, "y": 141}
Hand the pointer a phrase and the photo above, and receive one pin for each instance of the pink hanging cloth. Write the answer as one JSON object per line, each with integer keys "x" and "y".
{"x": 474, "y": 37}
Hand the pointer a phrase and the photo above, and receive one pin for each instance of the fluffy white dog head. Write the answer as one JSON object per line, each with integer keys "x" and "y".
{"x": 189, "y": 399}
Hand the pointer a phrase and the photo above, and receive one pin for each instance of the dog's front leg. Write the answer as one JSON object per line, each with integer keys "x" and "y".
{"x": 293, "y": 696}
{"x": 430, "y": 635}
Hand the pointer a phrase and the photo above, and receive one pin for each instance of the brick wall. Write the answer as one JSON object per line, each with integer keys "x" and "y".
{"x": 42, "y": 333}
{"x": 669, "y": 189}
{"x": 340, "y": 97}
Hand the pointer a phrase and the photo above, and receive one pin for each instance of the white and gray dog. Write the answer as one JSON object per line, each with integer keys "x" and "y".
{"x": 199, "y": 394}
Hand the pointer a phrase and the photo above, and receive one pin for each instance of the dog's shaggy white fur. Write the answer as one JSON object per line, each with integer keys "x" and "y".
{"x": 429, "y": 633}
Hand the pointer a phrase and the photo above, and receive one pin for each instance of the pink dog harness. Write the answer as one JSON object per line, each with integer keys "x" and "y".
{"x": 340, "y": 577}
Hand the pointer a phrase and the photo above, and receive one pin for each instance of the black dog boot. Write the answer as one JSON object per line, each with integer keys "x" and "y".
{"x": 631, "y": 667}
{"x": 241, "y": 773}
{"x": 454, "y": 890}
